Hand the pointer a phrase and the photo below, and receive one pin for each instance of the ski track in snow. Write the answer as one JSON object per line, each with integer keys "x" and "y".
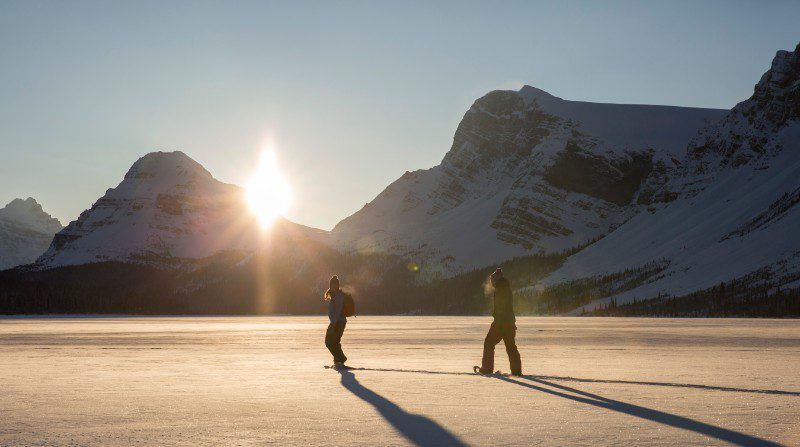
{"x": 260, "y": 381}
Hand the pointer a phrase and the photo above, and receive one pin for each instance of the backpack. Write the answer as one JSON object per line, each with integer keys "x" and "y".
{"x": 349, "y": 307}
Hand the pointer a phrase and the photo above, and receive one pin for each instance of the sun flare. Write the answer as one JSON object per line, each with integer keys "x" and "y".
{"x": 268, "y": 192}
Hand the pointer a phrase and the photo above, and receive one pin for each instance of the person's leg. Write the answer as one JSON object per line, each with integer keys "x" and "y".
{"x": 339, "y": 354}
{"x": 493, "y": 337}
{"x": 330, "y": 336}
{"x": 509, "y": 338}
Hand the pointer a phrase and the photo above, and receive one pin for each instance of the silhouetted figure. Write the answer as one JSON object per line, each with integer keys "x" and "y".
{"x": 503, "y": 327}
{"x": 333, "y": 336}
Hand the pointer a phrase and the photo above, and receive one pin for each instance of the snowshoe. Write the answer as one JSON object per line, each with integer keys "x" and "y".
{"x": 477, "y": 370}
{"x": 338, "y": 367}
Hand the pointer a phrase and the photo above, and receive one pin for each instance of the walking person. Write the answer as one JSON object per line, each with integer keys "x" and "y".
{"x": 333, "y": 336}
{"x": 503, "y": 327}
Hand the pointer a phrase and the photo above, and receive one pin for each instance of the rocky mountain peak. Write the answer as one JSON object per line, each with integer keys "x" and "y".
{"x": 21, "y": 208}
{"x": 527, "y": 172}
{"x": 25, "y": 232}
{"x": 167, "y": 165}
{"x": 29, "y": 212}
{"x": 754, "y": 128}
{"x": 777, "y": 94}
{"x": 529, "y": 94}
{"x": 167, "y": 209}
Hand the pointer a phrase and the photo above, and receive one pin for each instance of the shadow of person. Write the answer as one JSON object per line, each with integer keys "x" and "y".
{"x": 619, "y": 382}
{"x": 673, "y": 420}
{"x": 666, "y": 384}
{"x": 417, "y": 429}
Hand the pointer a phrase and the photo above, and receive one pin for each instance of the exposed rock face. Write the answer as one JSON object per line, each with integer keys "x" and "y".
{"x": 754, "y": 127}
{"x": 25, "y": 232}
{"x": 733, "y": 203}
{"x": 613, "y": 179}
{"x": 167, "y": 208}
{"x": 527, "y": 172}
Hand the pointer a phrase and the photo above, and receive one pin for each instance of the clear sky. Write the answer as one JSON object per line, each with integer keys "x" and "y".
{"x": 353, "y": 93}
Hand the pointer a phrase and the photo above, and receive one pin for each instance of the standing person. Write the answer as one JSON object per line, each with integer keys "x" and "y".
{"x": 333, "y": 336}
{"x": 503, "y": 327}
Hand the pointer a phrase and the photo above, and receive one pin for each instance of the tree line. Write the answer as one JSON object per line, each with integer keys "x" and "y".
{"x": 277, "y": 283}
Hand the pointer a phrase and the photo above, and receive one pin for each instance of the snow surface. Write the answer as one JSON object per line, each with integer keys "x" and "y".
{"x": 691, "y": 233}
{"x": 629, "y": 126}
{"x": 743, "y": 170}
{"x": 260, "y": 381}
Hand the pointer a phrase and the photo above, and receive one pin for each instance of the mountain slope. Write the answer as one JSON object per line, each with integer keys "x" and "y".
{"x": 25, "y": 232}
{"x": 168, "y": 211}
{"x": 737, "y": 202}
{"x": 527, "y": 172}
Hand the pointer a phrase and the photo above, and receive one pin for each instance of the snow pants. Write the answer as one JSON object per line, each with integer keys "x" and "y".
{"x": 333, "y": 341}
{"x": 505, "y": 331}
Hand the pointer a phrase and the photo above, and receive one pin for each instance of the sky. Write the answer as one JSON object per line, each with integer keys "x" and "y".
{"x": 352, "y": 94}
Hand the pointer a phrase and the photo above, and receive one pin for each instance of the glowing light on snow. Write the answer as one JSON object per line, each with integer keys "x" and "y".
{"x": 268, "y": 193}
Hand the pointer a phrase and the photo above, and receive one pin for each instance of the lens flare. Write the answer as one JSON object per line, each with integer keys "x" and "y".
{"x": 268, "y": 193}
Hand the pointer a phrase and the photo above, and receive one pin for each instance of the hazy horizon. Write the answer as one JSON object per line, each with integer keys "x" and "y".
{"x": 352, "y": 94}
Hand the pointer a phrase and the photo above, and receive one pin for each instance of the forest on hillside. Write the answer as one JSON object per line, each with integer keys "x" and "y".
{"x": 381, "y": 285}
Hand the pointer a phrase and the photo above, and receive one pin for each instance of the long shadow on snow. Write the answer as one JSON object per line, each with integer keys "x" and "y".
{"x": 622, "y": 382}
{"x": 418, "y": 429}
{"x": 673, "y": 420}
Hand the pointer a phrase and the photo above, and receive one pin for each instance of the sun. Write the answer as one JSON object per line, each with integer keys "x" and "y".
{"x": 268, "y": 192}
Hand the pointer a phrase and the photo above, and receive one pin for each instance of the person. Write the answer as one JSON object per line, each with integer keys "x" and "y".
{"x": 333, "y": 336}
{"x": 503, "y": 327}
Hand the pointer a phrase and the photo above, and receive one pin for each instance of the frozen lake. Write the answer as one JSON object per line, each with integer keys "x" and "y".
{"x": 261, "y": 381}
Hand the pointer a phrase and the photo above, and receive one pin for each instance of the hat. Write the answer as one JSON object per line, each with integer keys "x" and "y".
{"x": 497, "y": 274}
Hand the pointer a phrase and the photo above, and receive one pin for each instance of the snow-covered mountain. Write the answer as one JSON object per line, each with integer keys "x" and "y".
{"x": 167, "y": 211}
{"x": 645, "y": 201}
{"x": 25, "y": 232}
{"x": 527, "y": 172}
{"x": 735, "y": 207}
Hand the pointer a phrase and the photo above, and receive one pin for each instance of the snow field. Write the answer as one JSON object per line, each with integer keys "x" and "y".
{"x": 261, "y": 381}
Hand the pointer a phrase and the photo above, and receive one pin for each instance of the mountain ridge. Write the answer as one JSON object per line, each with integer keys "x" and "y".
{"x": 502, "y": 175}
{"x": 25, "y": 232}
{"x": 586, "y": 204}
{"x": 167, "y": 206}
{"x": 734, "y": 210}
